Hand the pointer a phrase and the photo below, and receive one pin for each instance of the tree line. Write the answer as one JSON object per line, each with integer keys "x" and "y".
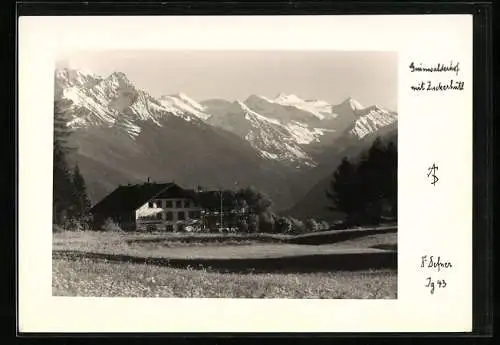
{"x": 364, "y": 189}
{"x": 257, "y": 215}
{"x": 71, "y": 203}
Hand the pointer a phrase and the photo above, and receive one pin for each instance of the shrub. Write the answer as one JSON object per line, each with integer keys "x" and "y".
{"x": 57, "y": 228}
{"x": 74, "y": 224}
{"x": 311, "y": 225}
{"x": 242, "y": 226}
{"x": 298, "y": 226}
{"x": 253, "y": 223}
{"x": 323, "y": 225}
{"x": 111, "y": 226}
{"x": 283, "y": 225}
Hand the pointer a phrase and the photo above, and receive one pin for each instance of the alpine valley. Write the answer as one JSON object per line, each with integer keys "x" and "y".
{"x": 285, "y": 146}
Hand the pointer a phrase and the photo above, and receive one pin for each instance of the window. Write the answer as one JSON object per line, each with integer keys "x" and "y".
{"x": 159, "y": 216}
{"x": 151, "y": 204}
{"x": 168, "y": 203}
{"x": 178, "y": 204}
{"x": 187, "y": 203}
{"x": 169, "y": 216}
{"x": 169, "y": 227}
{"x": 181, "y": 215}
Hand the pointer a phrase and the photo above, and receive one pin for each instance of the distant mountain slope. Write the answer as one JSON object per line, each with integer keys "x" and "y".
{"x": 372, "y": 119}
{"x": 176, "y": 151}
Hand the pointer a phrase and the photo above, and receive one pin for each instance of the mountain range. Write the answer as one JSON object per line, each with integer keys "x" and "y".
{"x": 284, "y": 145}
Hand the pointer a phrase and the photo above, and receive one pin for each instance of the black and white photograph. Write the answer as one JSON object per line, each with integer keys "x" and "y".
{"x": 225, "y": 174}
{"x": 243, "y": 173}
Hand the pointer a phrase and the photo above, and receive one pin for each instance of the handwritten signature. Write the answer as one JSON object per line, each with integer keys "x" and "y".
{"x": 435, "y": 263}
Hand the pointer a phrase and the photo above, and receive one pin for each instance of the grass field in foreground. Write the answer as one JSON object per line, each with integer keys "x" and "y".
{"x": 122, "y": 244}
{"x": 88, "y": 277}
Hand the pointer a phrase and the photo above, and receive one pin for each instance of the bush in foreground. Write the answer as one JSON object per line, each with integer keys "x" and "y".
{"x": 111, "y": 226}
{"x": 71, "y": 224}
{"x": 56, "y": 228}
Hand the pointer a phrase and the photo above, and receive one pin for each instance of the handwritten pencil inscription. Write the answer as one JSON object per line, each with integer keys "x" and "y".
{"x": 451, "y": 67}
{"x": 452, "y": 84}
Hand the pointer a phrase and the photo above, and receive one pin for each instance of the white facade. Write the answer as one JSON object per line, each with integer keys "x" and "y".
{"x": 171, "y": 214}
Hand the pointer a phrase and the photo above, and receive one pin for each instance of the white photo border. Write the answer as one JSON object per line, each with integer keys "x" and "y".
{"x": 432, "y": 128}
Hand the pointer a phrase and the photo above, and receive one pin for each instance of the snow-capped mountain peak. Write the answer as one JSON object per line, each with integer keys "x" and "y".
{"x": 67, "y": 77}
{"x": 289, "y": 106}
{"x": 353, "y": 104}
{"x": 347, "y": 108}
{"x": 120, "y": 78}
{"x": 249, "y": 112}
{"x": 190, "y": 101}
{"x": 284, "y": 98}
{"x": 182, "y": 105}
{"x": 319, "y": 109}
{"x": 241, "y": 104}
{"x": 376, "y": 108}
{"x": 110, "y": 101}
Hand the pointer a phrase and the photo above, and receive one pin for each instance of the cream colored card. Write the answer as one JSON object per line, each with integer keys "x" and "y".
{"x": 434, "y": 125}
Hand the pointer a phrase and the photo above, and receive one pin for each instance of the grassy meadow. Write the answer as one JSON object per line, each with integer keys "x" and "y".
{"x": 87, "y": 277}
{"x": 116, "y": 264}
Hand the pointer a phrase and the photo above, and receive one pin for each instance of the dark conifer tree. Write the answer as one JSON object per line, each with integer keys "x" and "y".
{"x": 367, "y": 189}
{"x": 62, "y": 183}
{"x": 371, "y": 179}
{"x": 391, "y": 187}
{"x": 81, "y": 202}
{"x": 70, "y": 200}
{"x": 61, "y": 186}
{"x": 342, "y": 193}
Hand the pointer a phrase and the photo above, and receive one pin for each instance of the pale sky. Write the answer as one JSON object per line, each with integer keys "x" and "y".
{"x": 332, "y": 76}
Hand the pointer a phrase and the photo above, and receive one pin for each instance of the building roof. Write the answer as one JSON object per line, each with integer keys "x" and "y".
{"x": 131, "y": 197}
{"x": 174, "y": 192}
